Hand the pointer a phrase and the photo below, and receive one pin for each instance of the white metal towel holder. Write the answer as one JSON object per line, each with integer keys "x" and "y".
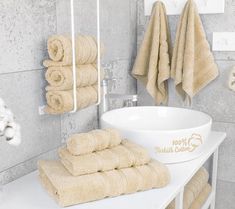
{"x": 74, "y": 54}
{"x": 75, "y": 108}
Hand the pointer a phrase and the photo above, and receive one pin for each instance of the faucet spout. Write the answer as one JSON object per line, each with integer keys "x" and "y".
{"x": 129, "y": 100}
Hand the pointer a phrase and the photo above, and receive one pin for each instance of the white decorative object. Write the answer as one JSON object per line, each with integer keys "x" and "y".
{"x": 224, "y": 41}
{"x": 170, "y": 134}
{"x": 231, "y": 81}
{"x": 175, "y": 7}
{"x": 181, "y": 173}
{"x": 8, "y": 127}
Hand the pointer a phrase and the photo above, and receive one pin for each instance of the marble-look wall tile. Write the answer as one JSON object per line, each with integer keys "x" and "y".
{"x": 23, "y": 93}
{"x": 225, "y": 195}
{"x": 82, "y": 121}
{"x": 216, "y": 99}
{"x": 26, "y": 167}
{"x": 226, "y": 170}
{"x": 24, "y": 28}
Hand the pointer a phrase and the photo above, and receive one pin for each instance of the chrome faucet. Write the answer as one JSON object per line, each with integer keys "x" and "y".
{"x": 128, "y": 100}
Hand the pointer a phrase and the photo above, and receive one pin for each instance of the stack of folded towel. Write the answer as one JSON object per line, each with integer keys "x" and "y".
{"x": 59, "y": 73}
{"x": 100, "y": 164}
{"x": 196, "y": 191}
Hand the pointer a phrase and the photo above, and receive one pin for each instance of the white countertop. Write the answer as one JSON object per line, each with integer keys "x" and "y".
{"x": 27, "y": 192}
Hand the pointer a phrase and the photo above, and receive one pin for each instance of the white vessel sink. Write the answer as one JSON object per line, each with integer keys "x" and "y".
{"x": 171, "y": 134}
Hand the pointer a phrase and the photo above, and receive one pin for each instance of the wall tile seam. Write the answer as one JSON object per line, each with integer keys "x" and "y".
{"x": 225, "y": 181}
{"x": 116, "y": 60}
{"x": 22, "y": 71}
{"x": 227, "y": 122}
{"x": 32, "y": 158}
{"x": 135, "y": 26}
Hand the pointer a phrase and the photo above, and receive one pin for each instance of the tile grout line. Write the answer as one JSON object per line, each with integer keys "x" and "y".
{"x": 30, "y": 159}
{"x": 22, "y": 71}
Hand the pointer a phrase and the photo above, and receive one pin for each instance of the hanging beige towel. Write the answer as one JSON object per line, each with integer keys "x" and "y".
{"x": 60, "y": 50}
{"x": 96, "y": 140}
{"x": 193, "y": 188}
{"x": 61, "y": 78}
{"x": 62, "y": 101}
{"x": 193, "y": 65}
{"x": 201, "y": 199}
{"x": 152, "y": 65}
{"x": 126, "y": 155}
{"x": 70, "y": 190}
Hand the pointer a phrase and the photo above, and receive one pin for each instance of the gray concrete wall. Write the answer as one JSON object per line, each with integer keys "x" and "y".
{"x": 216, "y": 99}
{"x": 24, "y": 27}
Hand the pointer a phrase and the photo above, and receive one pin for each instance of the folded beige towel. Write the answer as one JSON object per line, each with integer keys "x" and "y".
{"x": 70, "y": 190}
{"x": 201, "y": 199}
{"x": 126, "y": 155}
{"x": 96, "y": 140}
{"x": 60, "y": 50}
{"x": 61, "y": 78}
{"x": 193, "y": 188}
{"x": 62, "y": 101}
{"x": 193, "y": 65}
{"x": 152, "y": 65}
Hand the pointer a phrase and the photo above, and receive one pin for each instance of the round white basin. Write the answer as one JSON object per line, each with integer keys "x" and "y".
{"x": 170, "y": 134}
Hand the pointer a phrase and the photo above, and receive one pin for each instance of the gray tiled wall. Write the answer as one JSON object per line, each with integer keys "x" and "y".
{"x": 24, "y": 27}
{"x": 216, "y": 99}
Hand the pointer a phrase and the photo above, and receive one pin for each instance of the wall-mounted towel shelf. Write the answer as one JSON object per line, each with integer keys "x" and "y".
{"x": 174, "y": 7}
{"x": 32, "y": 195}
{"x": 75, "y": 108}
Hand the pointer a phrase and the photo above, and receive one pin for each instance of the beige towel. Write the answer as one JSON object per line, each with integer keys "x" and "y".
{"x": 193, "y": 65}
{"x": 61, "y": 78}
{"x": 60, "y": 50}
{"x": 202, "y": 197}
{"x": 70, "y": 190}
{"x": 152, "y": 65}
{"x": 62, "y": 101}
{"x": 126, "y": 155}
{"x": 193, "y": 188}
{"x": 96, "y": 140}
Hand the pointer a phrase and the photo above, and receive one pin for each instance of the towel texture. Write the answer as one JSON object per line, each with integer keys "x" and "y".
{"x": 202, "y": 197}
{"x": 62, "y": 101}
{"x": 152, "y": 65}
{"x": 61, "y": 78}
{"x": 193, "y": 188}
{"x": 70, "y": 190}
{"x": 193, "y": 65}
{"x": 60, "y": 50}
{"x": 96, "y": 140}
{"x": 122, "y": 156}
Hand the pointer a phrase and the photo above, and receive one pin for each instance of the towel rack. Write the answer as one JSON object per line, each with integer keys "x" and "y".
{"x": 41, "y": 108}
{"x": 74, "y": 54}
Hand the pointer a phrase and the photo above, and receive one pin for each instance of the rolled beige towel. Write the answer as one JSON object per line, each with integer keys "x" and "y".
{"x": 193, "y": 188}
{"x": 60, "y": 50}
{"x": 202, "y": 197}
{"x": 70, "y": 190}
{"x": 61, "y": 78}
{"x": 96, "y": 140}
{"x": 122, "y": 156}
{"x": 59, "y": 102}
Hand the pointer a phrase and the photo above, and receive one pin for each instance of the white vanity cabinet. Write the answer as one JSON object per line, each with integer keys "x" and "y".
{"x": 27, "y": 192}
